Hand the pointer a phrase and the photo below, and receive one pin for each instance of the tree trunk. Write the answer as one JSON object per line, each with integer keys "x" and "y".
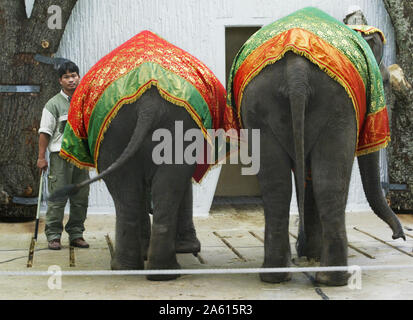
{"x": 20, "y": 113}
{"x": 401, "y": 147}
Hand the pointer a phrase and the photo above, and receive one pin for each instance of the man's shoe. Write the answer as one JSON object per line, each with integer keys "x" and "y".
{"x": 54, "y": 244}
{"x": 79, "y": 243}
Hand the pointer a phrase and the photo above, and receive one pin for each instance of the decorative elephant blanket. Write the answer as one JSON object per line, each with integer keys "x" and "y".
{"x": 122, "y": 76}
{"x": 337, "y": 50}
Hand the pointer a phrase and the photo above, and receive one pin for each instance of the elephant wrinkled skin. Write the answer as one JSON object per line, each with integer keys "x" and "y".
{"x": 127, "y": 149}
{"x": 308, "y": 124}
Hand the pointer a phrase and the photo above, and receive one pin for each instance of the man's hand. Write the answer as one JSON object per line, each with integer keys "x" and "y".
{"x": 42, "y": 164}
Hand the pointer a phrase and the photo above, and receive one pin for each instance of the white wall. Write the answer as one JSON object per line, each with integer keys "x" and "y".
{"x": 96, "y": 27}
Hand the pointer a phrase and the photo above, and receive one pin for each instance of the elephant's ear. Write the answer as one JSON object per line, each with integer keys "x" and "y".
{"x": 374, "y": 37}
{"x": 376, "y": 44}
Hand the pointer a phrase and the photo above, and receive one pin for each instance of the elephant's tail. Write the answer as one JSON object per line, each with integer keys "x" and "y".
{"x": 297, "y": 73}
{"x": 143, "y": 126}
{"x": 370, "y": 177}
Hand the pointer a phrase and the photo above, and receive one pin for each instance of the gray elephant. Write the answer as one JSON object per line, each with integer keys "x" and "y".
{"x": 171, "y": 187}
{"x": 144, "y": 86}
{"x": 308, "y": 124}
{"x": 128, "y": 174}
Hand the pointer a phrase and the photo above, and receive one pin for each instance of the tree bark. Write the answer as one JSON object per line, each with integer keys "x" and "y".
{"x": 20, "y": 113}
{"x": 400, "y": 151}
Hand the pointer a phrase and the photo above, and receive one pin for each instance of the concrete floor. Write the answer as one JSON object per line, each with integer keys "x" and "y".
{"x": 231, "y": 237}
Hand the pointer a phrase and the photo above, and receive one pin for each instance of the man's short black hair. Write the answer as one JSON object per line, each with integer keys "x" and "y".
{"x": 67, "y": 66}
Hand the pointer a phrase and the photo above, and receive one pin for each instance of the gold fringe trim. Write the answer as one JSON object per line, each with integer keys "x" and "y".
{"x": 383, "y": 145}
{"x": 112, "y": 114}
{"x": 134, "y": 97}
{"x": 371, "y": 30}
{"x": 309, "y": 57}
{"x": 75, "y": 162}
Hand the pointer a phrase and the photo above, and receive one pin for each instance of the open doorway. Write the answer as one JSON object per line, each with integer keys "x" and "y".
{"x": 231, "y": 183}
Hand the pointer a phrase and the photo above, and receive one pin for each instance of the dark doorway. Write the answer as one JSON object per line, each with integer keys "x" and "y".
{"x": 235, "y": 37}
{"x": 231, "y": 183}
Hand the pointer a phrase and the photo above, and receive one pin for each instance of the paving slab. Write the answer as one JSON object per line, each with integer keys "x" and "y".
{"x": 231, "y": 237}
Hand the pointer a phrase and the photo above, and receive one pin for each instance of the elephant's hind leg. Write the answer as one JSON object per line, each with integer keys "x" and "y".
{"x": 168, "y": 188}
{"x": 275, "y": 183}
{"x": 130, "y": 207}
{"x": 331, "y": 164}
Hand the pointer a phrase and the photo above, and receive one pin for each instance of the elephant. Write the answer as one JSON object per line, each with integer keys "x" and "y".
{"x": 134, "y": 118}
{"x": 308, "y": 125}
{"x": 170, "y": 187}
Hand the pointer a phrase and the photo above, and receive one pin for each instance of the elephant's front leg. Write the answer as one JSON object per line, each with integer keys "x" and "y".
{"x": 186, "y": 239}
{"x": 145, "y": 221}
{"x": 313, "y": 233}
{"x": 275, "y": 183}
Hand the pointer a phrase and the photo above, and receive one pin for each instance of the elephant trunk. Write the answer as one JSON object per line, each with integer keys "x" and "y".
{"x": 370, "y": 177}
{"x": 143, "y": 125}
{"x": 298, "y": 91}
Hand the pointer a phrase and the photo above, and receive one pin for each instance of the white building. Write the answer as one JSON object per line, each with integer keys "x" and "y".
{"x": 208, "y": 30}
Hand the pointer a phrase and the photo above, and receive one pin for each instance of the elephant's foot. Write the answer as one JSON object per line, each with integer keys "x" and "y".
{"x": 163, "y": 277}
{"x": 334, "y": 278}
{"x": 275, "y": 277}
{"x": 310, "y": 252}
{"x": 187, "y": 243}
{"x": 115, "y": 264}
{"x": 313, "y": 255}
{"x": 310, "y": 248}
{"x": 305, "y": 262}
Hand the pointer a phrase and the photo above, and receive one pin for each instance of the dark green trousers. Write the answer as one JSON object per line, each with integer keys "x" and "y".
{"x": 62, "y": 173}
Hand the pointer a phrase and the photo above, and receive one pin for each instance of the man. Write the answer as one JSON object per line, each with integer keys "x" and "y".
{"x": 52, "y": 125}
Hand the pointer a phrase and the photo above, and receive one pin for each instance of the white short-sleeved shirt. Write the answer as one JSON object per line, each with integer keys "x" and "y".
{"x": 54, "y": 119}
